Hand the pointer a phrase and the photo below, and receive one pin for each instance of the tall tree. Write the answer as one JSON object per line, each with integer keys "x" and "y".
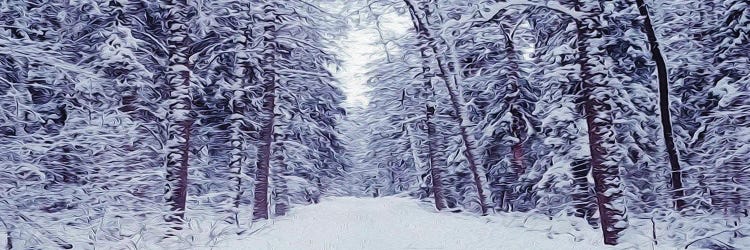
{"x": 181, "y": 116}
{"x": 598, "y": 105}
{"x": 664, "y": 106}
{"x": 564, "y": 167}
{"x": 301, "y": 108}
{"x": 430, "y": 109}
{"x": 421, "y": 13}
{"x": 269, "y": 78}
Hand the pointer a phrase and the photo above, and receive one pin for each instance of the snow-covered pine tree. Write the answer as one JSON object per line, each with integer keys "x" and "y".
{"x": 426, "y": 18}
{"x": 81, "y": 157}
{"x": 723, "y": 120}
{"x": 598, "y": 105}
{"x": 503, "y": 98}
{"x": 563, "y": 168}
{"x": 180, "y": 117}
{"x": 665, "y": 110}
{"x": 269, "y": 77}
{"x": 636, "y": 119}
{"x": 301, "y": 107}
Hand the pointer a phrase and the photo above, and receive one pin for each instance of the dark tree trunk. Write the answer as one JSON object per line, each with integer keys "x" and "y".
{"x": 280, "y": 189}
{"x": 237, "y": 159}
{"x": 180, "y": 117}
{"x": 469, "y": 149}
{"x": 598, "y": 111}
{"x": 237, "y": 196}
{"x": 8, "y": 235}
{"x": 582, "y": 198}
{"x": 260, "y": 205}
{"x": 429, "y": 45}
{"x": 678, "y": 193}
{"x": 269, "y": 78}
{"x": 8, "y": 240}
{"x": 435, "y": 171}
{"x": 430, "y": 109}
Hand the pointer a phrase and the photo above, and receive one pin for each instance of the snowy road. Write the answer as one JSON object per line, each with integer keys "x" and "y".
{"x": 400, "y": 223}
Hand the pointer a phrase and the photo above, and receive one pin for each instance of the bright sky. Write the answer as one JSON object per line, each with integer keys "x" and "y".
{"x": 361, "y": 47}
{"x": 358, "y": 50}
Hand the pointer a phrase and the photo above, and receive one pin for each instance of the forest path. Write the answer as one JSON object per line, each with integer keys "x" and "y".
{"x": 387, "y": 223}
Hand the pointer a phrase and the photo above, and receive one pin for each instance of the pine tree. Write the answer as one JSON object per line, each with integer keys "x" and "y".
{"x": 421, "y": 14}
{"x": 664, "y": 105}
{"x": 181, "y": 116}
{"x": 598, "y": 105}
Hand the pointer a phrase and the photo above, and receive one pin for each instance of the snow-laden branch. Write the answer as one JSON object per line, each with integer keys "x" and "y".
{"x": 491, "y": 11}
{"x": 33, "y": 52}
{"x": 303, "y": 72}
{"x": 496, "y": 8}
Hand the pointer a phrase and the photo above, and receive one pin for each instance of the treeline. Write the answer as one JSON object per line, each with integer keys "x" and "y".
{"x": 611, "y": 111}
{"x": 121, "y": 121}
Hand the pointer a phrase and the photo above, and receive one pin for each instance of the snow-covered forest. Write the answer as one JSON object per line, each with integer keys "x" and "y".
{"x": 197, "y": 124}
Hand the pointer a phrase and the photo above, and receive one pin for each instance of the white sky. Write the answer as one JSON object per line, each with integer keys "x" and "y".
{"x": 361, "y": 47}
{"x": 357, "y": 50}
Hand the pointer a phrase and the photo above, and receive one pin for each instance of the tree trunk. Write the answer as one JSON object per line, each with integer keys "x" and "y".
{"x": 180, "y": 116}
{"x": 280, "y": 189}
{"x": 239, "y": 127}
{"x": 678, "y": 193}
{"x": 435, "y": 171}
{"x": 8, "y": 235}
{"x": 237, "y": 144}
{"x": 468, "y": 145}
{"x": 582, "y": 198}
{"x": 518, "y": 125}
{"x": 598, "y": 111}
{"x": 432, "y": 170}
{"x": 427, "y": 74}
{"x": 269, "y": 77}
{"x": 428, "y": 45}
{"x": 8, "y": 240}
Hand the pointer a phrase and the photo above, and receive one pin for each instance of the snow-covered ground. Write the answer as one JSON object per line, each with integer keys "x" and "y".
{"x": 398, "y": 223}
{"x": 401, "y": 223}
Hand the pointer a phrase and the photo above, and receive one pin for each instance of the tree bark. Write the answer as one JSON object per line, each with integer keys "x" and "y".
{"x": 180, "y": 116}
{"x": 8, "y": 235}
{"x": 239, "y": 124}
{"x": 237, "y": 139}
{"x": 429, "y": 50}
{"x": 582, "y": 198}
{"x": 678, "y": 193}
{"x": 597, "y": 100}
{"x": 269, "y": 78}
{"x": 518, "y": 124}
{"x": 427, "y": 74}
{"x": 435, "y": 171}
{"x": 8, "y": 240}
{"x": 280, "y": 189}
